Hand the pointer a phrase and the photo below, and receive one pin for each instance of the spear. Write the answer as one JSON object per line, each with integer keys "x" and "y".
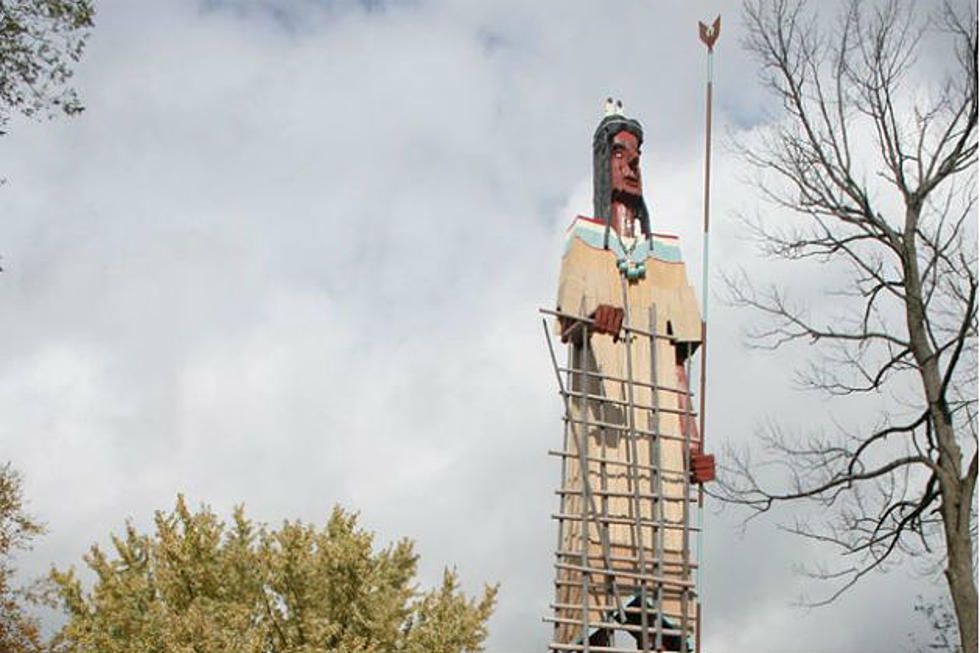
{"x": 708, "y": 36}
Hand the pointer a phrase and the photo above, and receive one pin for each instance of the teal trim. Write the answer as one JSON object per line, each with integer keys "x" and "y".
{"x": 704, "y": 277}
{"x": 643, "y": 250}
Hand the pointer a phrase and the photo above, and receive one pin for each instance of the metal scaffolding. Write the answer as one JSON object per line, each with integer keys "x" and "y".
{"x": 623, "y": 559}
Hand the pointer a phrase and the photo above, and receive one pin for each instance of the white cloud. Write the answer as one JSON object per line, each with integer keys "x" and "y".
{"x": 300, "y": 266}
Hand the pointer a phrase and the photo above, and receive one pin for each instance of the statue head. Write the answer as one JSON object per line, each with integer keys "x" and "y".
{"x": 616, "y": 180}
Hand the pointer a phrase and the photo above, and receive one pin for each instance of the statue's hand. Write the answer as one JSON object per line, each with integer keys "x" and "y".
{"x": 702, "y": 467}
{"x": 608, "y": 319}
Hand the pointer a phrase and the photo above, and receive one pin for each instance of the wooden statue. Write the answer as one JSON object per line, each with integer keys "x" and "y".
{"x": 631, "y": 459}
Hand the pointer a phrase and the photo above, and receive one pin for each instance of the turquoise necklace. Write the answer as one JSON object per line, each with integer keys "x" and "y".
{"x": 632, "y": 270}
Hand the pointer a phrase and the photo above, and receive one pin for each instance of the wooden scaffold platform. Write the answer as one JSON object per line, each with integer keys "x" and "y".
{"x": 623, "y": 558}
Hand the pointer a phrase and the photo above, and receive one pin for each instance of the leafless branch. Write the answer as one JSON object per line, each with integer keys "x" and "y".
{"x": 873, "y": 165}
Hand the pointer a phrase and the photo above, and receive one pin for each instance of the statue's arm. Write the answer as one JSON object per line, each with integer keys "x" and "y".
{"x": 583, "y": 292}
{"x": 701, "y": 465}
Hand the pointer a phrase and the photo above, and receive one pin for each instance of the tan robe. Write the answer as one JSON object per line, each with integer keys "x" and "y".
{"x": 589, "y": 277}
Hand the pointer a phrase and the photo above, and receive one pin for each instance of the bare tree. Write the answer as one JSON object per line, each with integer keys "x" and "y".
{"x": 878, "y": 174}
{"x": 942, "y": 631}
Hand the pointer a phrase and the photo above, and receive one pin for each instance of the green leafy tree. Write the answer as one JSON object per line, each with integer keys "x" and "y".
{"x": 40, "y": 41}
{"x": 19, "y": 632}
{"x": 200, "y": 585}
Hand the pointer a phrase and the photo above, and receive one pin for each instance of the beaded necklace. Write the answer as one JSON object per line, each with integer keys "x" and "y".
{"x": 632, "y": 270}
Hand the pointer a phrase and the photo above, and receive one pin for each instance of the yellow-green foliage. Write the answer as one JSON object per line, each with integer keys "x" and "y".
{"x": 19, "y": 631}
{"x": 200, "y": 586}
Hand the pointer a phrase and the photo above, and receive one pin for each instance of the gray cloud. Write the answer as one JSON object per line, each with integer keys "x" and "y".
{"x": 295, "y": 259}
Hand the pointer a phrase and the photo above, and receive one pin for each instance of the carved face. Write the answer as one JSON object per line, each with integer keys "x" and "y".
{"x": 625, "y": 164}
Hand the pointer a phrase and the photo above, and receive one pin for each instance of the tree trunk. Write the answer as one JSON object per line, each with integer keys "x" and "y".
{"x": 961, "y": 582}
{"x": 956, "y": 492}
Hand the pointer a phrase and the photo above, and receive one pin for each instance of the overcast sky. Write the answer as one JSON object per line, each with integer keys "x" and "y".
{"x": 291, "y": 256}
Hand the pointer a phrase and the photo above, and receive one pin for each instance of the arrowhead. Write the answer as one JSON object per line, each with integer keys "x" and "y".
{"x": 709, "y": 35}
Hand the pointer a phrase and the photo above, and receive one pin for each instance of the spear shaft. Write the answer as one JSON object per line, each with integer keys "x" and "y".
{"x": 708, "y": 36}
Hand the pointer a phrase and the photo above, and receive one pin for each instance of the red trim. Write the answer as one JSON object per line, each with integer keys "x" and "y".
{"x": 599, "y": 221}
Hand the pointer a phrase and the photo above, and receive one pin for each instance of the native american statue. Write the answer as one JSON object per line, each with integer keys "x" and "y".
{"x": 631, "y": 459}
